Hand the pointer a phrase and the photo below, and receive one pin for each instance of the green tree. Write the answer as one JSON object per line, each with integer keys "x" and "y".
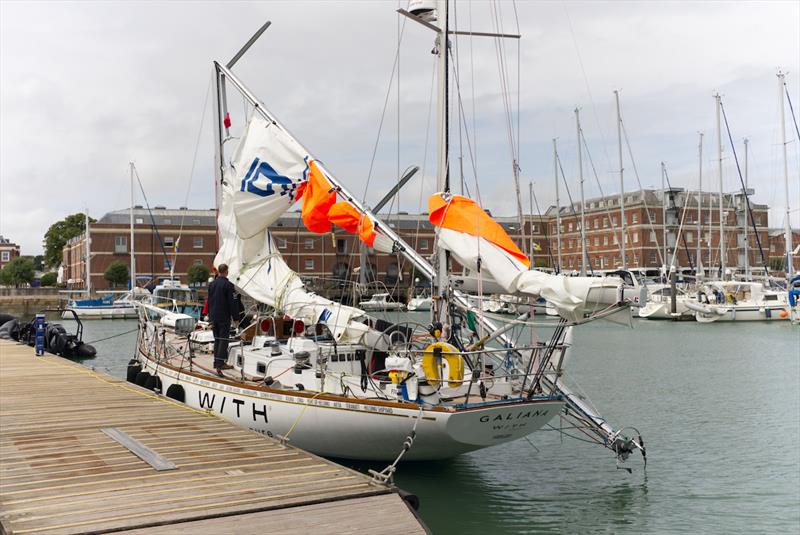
{"x": 18, "y": 272}
{"x": 49, "y": 279}
{"x": 776, "y": 263}
{"x": 117, "y": 273}
{"x": 198, "y": 273}
{"x": 59, "y": 234}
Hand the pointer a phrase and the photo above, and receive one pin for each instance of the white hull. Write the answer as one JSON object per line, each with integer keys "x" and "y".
{"x": 654, "y": 310}
{"x": 380, "y": 307}
{"x": 714, "y": 313}
{"x": 353, "y": 429}
{"x": 103, "y": 313}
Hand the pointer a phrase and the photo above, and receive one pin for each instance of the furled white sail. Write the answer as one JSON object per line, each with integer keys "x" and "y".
{"x": 479, "y": 244}
{"x": 255, "y": 265}
{"x": 267, "y": 166}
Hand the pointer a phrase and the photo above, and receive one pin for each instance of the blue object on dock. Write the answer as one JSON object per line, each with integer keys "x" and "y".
{"x": 39, "y": 326}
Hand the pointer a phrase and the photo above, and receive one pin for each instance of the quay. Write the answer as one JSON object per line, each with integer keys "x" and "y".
{"x": 67, "y": 465}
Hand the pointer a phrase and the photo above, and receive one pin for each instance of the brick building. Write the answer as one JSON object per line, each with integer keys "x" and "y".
{"x": 777, "y": 248}
{"x": 8, "y": 251}
{"x": 653, "y": 219}
{"x": 157, "y": 245}
{"x": 337, "y": 256}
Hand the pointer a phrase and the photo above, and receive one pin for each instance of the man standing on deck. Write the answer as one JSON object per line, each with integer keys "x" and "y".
{"x": 221, "y": 310}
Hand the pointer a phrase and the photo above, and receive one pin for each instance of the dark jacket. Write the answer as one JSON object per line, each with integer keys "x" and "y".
{"x": 221, "y": 304}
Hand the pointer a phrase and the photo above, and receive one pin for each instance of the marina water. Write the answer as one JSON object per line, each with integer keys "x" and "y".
{"x": 718, "y": 407}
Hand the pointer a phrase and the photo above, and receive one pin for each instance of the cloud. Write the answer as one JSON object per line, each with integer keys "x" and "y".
{"x": 87, "y": 87}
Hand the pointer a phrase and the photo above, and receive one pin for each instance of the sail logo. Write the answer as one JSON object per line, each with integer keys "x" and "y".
{"x": 273, "y": 182}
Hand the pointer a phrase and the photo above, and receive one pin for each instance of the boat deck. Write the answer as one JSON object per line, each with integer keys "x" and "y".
{"x": 63, "y": 471}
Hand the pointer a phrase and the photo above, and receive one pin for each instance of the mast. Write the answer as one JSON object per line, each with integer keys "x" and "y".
{"x": 558, "y": 207}
{"x": 722, "y": 259}
{"x": 530, "y": 241}
{"x": 746, "y": 215}
{"x": 621, "y": 180}
{"x": 133, "y": 254}
{"x": 580, "y": 179}
{"x": 788, "y": 223}
{"x": 699, "y": 205}
{"x": 442, "y": 169}
{"x": 664, "y": 214}
{"x": 88, "y": 284}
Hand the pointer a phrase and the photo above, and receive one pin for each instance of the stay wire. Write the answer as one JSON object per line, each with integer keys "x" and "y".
{"x": 744, "y": 190}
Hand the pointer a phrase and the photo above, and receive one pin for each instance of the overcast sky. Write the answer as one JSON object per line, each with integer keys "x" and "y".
{"x": 86, "y": 87}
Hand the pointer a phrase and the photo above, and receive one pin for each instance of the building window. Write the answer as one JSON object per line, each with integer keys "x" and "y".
{"x": 653, "y": 237}
{"x": 535, "y": 229}
{"x": 167, "y": 221}
{"x": 689, "y": 237}
{"x": 605, "y": 240}
{"x": 309, "y": 264}
{"x": 616, "y": 241}
{"x": 614, "y": 221}
{"x": 635, "y": 237}
{"x": 605, "y": 222}
{"x": 569, "y": 227}
{"x": 169, "y": 241}
{"x": 308, "y": 243}
{"x": 198, "y": 262}
{"x": 634, "y": 217}
{"x": 341, "y": 246}
{"x": 6, "y": 256}
{"x": 197, "y": 243}
{"x": 139, "y": 220}
{"x": 167, "y": 264}
{"x": 195, "y": 221}
{"x": 120, "y": 244}
{"x": 596, "y": 240}
{"x": 423, "y": 244}
{"x": 281, "y": 243}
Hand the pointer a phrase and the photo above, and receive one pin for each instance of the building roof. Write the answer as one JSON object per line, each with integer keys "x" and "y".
{"x": 162, "y": 216}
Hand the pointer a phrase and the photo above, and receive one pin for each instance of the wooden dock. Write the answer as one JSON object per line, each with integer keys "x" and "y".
{"x": 60, "y": 473}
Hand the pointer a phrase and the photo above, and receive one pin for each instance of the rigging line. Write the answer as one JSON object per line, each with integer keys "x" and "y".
{"x": 383, "y": 113}
{"x": 457, "y": 70}
{"x": 545, "y": 227}
{"x": 519, "y": 75}
{"x": 425, "y": 153}
{"x": 597, "y": 179}
{"x": 680, "y": 235}
{"x": 791, "y": 109}
{"x": 152, "y": 218}
{"x": 194, "y": 161}
{"x": 571, "y": 202}
{"x": 744, "y": 190}
{"x": 586, "y": 82}
{"x": 503, "y": 79}
{"x": 661, "y": 258}
{"x": 472, "y": 79}
{"x": 469, "y": 145}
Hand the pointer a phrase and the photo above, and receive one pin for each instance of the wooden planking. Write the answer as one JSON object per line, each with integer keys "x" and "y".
{"x": 60, "y": 474}
{"x": 388, "y": 515}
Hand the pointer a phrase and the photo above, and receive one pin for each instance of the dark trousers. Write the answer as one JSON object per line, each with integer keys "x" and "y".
{"x": 222, "y": 331}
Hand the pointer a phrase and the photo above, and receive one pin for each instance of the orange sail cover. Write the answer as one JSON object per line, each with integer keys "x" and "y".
{"x": 344, "y": 215}
{"x": 462, "y": 214}
{"x": 318, "y": 197}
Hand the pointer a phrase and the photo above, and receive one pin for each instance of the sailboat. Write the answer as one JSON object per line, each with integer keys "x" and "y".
{"x": 332, "y": 379}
